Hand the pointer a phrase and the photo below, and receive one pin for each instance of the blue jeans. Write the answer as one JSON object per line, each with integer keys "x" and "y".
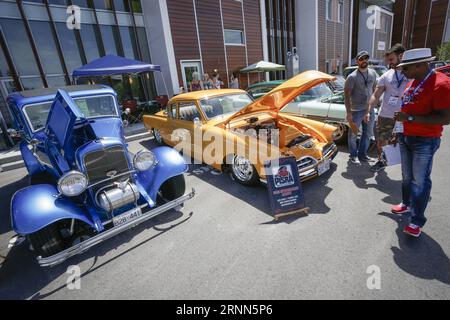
{"x": 417, "y": 161}
{"x": 367, "y": 130}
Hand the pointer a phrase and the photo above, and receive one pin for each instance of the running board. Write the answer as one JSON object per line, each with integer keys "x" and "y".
{"x": 89, "y": 243}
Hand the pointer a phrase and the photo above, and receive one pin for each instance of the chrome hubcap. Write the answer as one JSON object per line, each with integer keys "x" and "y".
{"x": 340, "y": 130}
{"x": 242, "y": 168}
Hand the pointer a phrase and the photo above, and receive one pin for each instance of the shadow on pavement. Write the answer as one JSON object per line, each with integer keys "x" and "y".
{"x": 315, "y": 190}
{"x": 25, "y": 280}
{"x": 6, "y": 192}
{"x": 422, "y": 257}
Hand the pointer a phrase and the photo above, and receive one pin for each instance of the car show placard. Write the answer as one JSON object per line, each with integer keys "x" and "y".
{"x": 284, "y": 187}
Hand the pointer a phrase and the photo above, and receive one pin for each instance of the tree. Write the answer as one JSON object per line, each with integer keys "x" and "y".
{"x": 443, "y": 52}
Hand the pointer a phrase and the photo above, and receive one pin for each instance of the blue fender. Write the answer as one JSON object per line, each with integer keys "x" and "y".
{"x": 170, "y": 164}
{"x": 36, "y": 207}
{"x": 32, "y": 164}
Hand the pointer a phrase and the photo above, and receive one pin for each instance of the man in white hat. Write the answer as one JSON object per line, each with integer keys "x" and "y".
{"x": 425, "y": 109}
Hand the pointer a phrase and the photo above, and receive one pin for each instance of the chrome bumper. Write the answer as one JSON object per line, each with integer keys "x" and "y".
{"x": 89, "y": 243}
{"x": 312, "y": 171}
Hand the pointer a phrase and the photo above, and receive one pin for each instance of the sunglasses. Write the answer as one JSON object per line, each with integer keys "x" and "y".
{"x": 363, "y": 59}
{"x": 406, "y": 68}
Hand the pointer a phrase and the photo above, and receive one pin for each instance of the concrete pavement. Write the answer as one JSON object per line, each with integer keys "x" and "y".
{"x": 226, "y": 245}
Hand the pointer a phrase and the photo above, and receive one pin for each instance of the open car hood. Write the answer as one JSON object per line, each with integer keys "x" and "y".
{"x": 279, "y": 97}
{"x": 62, "y": 117}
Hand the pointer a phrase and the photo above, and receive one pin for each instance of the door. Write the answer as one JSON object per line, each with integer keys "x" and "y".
{"x": 189, "y": 70}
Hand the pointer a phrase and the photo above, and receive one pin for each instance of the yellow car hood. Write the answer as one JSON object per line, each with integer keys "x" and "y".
{"x": 279, "y": 97}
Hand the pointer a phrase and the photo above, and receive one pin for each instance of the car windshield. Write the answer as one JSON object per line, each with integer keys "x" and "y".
{"x": 219, "y": 106}
{"x": 317, "y": 92}
{"x": 95, "y": 106}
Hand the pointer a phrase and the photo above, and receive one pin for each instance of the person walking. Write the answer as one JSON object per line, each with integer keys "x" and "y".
{"x": 392, "y": 84}
{"x": 359, "y": 87}
{"x": 425, "y": 110}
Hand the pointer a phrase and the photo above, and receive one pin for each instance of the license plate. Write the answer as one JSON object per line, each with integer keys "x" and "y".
{"x": 127, "y": 216}
{"x": 323, "y": 167}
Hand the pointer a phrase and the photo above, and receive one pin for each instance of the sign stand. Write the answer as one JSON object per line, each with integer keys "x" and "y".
{"x": 284, "y": 188}
{"x": 281, "y": 215}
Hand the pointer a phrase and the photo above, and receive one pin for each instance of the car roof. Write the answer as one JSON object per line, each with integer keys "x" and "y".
{"x": 22, "y": 98}
{"x": 203, "y": 94}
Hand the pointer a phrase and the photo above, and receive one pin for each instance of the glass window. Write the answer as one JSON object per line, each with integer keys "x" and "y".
{"x": 45, "y": 43}
{"x": 219, "y": 106}
{"x": 341, "y": 11}
{"x": 82, "y": 3}
{"x": 136, "y": 6}
{"x": 317, "y": 92}
{"x": 128, "y": 42}
{"x": 109, "y": 34}
{"x": 121, "y": 5}
{"x": 69, "y": 46}
{"x": 58, "y": 2}
{"x": 90, "y": 40}
{"x": 19, "y": 46}
{"x": 188, "y": 111}
{"x": 97, "y": 106}
{"x": 31, "y": 83}
{"x": 103, "y": 4}
{"x": 142, "y": 36}
{"x": 56, "y": 81}
{"x": 329, "y": 9}
{"x": 37, "y": 115}
{"x": 4, "y": 69}
{"x": 234, "y": 37}
{"x": 172, "y": 110}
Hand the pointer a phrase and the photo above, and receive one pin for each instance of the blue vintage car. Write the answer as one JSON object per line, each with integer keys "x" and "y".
{"x": 85, "y": 186}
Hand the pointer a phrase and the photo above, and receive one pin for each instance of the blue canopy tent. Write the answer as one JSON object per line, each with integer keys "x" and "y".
{"x": 113, "y": 65}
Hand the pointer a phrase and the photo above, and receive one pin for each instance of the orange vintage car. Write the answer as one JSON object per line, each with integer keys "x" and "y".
{"x": 228, "y": 130}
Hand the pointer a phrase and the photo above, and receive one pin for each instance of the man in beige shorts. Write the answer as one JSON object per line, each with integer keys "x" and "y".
{"x": 392, "y": 84}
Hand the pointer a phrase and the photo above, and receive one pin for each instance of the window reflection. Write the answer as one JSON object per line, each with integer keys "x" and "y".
{"x": 19, "y": 46}
{"x": 109, "y": 35}
{"x": 128, "y": 42}
{"x": 45, "y": 43}
{"x": 90, "y": 41}
{"x": 70, "y": 47}
{"x": 31, "y": 83}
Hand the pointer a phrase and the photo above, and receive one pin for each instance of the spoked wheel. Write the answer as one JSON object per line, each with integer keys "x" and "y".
{"x": 243, "y": 171}
{"x": 47, "y": 241}
{"x": 342, "y": 133}
{"x": 158, "y": 137}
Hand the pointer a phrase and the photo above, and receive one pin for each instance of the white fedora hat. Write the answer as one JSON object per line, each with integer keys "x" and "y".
{"x": 416, "y": 56}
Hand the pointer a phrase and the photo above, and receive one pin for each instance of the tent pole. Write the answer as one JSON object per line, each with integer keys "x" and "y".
{"x": 165, "y": 86}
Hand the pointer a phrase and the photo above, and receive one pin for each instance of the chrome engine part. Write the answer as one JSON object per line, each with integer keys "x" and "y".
{"x": 111, "y": 199}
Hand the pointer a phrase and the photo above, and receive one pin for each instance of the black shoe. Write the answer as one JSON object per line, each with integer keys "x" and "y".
{"x": 380, "y": 165}
{"x": 366, "y": 159}
{"x": 355, "y": 160}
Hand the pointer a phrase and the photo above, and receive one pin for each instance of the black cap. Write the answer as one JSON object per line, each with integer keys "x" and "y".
{"x": 362, "y": 54}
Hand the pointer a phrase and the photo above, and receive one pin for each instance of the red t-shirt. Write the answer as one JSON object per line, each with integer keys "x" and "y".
{"x": 434, "y": 95}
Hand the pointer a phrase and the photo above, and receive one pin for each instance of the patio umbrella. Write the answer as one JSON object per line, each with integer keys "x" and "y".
{"x": 263, "y": 66}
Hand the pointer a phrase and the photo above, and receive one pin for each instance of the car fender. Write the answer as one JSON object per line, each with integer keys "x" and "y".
{"x": 32, "y": 164}
{"x": 170, "y": 164}
{"x": 39, "y": 206}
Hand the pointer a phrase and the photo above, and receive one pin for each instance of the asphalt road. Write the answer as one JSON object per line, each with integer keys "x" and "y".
{"x": 225, "y": 244}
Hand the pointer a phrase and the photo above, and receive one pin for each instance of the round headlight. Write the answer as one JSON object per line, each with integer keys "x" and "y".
{"x": 144, "y": 160}
{"x": 72, "y": 184}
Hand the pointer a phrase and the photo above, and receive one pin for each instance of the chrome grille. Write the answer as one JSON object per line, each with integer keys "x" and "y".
{"x": 305, "y": 163}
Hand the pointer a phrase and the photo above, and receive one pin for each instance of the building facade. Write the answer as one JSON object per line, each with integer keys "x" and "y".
{"x": 422, "y": 23}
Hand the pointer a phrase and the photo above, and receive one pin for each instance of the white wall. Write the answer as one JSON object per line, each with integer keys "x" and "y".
{"x": 306, "y": 24}
{"x": 159, "y": 36}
